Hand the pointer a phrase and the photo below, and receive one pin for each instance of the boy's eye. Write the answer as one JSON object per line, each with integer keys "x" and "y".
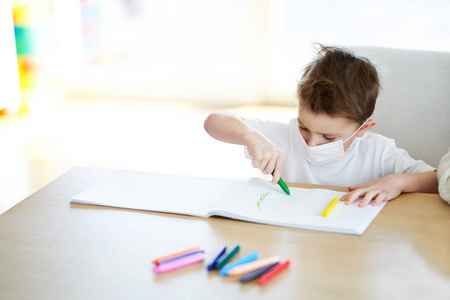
{"x": 329, "y": 139}
{"x": 302, "y": 128}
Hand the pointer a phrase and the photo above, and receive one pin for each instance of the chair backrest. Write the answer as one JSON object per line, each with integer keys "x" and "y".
{"x": 413, "y": 106}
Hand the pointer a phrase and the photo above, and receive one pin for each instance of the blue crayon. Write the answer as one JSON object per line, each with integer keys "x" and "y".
{"x": 221, "y": 252}
{"x": 251, "y": 257}
{"x": 178, "y": 257}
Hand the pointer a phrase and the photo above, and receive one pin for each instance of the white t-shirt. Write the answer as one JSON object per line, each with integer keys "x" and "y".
{"x": 370, "y": 157}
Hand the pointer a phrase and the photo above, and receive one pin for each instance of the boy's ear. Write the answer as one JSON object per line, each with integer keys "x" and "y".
{"x": 369, "y": 124}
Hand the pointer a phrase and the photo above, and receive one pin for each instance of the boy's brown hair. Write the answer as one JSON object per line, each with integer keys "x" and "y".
{"x": 339, "y": 83}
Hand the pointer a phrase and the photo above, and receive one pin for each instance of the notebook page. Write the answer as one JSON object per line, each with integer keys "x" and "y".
{"x": 157, "y": 192}
{"x": 258, "y": 200}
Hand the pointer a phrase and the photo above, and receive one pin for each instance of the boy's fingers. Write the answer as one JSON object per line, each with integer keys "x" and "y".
{"x": 269, "y": 167}
{"x": 263, "y": 165}
{"x": 352, "y": 196}
{"x": 352, "y": 188}
{"x": 367, "y": 198}
{"x": 277, "y": 170}
{"x": 256, "y": 163}
{"x": 380, "y": 198}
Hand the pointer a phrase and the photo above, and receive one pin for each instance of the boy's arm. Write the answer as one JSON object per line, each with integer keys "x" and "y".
{"x": 391, "y": 186}
{"x": 230, "y": 128}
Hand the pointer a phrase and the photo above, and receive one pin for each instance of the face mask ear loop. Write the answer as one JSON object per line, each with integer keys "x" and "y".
{"x": 356, "y": 131}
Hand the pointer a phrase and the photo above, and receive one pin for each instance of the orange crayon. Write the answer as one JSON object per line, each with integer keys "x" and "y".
{"x": 170, "y": 256}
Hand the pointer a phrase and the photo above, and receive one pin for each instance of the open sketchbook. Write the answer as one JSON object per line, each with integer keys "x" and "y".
{"x": 253, "y": 200}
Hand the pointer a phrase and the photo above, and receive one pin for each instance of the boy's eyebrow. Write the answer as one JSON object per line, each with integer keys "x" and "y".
{"x": 326, "y": 134}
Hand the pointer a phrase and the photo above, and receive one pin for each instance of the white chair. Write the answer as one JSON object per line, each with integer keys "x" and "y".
{"x": 413, "y": 106}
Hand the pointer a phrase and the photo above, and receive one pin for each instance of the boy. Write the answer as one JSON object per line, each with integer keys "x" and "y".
{"x": 329, "y": 142}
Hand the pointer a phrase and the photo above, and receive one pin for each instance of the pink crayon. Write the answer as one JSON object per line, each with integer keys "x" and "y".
{"x": 179, "y": 263}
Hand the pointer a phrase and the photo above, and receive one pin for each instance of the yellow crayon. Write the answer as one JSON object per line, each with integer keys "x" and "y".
{"x": 330, "y": 207}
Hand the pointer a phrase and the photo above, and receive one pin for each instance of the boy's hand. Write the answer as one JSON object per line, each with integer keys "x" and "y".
{"x": 383, "y": 189}
{"x": 265, "y": 155}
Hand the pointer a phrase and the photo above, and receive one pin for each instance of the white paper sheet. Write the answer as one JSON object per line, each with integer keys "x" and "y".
{"x": 237, "y": 199}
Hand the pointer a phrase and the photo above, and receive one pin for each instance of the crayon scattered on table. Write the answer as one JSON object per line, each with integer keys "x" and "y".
{"x": 272, "y": 273}
{"x": 219, "y": 254}
{"x": 179, "y": 263}
{"x": 226, "y": 257}
{"x": 255, "y": 274}
{"x": 248, "y": 258}
{"x": 178, "y": 257}
{"x": 253, "y": 266}
{"x": 175, "y": 254}
{"x": 249, "y": 266}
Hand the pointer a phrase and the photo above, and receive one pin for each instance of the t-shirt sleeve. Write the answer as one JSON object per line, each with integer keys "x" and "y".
{"x": 276, "y": 132}
{"x": 397, "y": 160}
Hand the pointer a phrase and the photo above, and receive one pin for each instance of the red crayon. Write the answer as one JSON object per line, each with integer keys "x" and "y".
{"x": 273, "y": 272}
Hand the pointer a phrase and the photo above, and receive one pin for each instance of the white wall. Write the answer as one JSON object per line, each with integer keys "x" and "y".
{"x": 181, "y": 50}
{"x": 418, "y": 25}
{"x": 244, "y": 51}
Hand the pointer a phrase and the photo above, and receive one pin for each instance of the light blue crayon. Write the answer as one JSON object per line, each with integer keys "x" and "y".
{"x": 251, "y": 257}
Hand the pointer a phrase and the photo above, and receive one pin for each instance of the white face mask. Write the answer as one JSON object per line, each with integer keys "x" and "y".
{"x": 325, "y": 153}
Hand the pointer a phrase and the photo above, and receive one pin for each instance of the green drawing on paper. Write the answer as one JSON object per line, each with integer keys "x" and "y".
{"x": 261, "y": 199}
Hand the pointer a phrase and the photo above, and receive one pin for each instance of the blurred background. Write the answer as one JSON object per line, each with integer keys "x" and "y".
{"x": 128, "y": 83}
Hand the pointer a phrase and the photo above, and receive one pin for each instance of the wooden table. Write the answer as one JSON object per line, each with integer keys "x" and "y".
{"x": 51, "y": 249}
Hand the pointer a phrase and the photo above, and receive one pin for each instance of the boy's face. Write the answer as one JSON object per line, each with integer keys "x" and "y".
{"x": 318, "y": 129}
